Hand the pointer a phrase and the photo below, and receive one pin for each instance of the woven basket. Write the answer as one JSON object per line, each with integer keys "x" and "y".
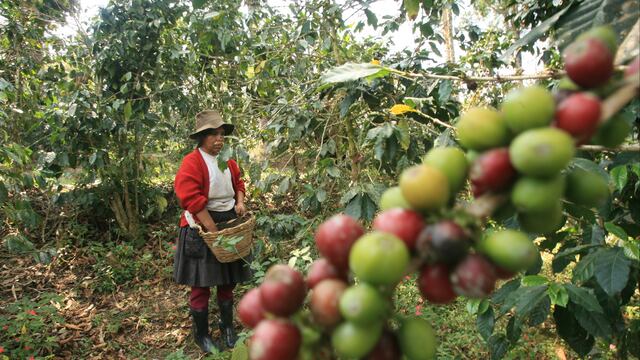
{"x": 242, "y": 226}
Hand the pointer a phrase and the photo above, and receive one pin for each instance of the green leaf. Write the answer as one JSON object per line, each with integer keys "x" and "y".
{"x": 127, "y": 110}
{"x": 540, "y": 312}
{"x": 570, "y": 330}
{"x": 379, "y": 148}
{"x": 558, "y": 295}
{"x": 560, "y": 261}
{"x": 529, "y": 298}
{"x": 198, "y": 4}
{"x": 369, "y": 208}
{"x": 584, "y": 269}
{"x": 499, "y": 296}
{"x": 354, "y": 207}
{"x": 349, "y": 72}
{"x": 283, "y": 187}
{"x": 346, "y": 103}
{"x": 45, "y": 257}
{"x": 534, "y": 280}
{"x": 583, "y": 297}
{"x": 455, "y": 9}
{"x": 477, "y": 306}
{"x": 412, "y": 7}
{"x": 580, "y": 212}
{"x": 17, "y": 243}
{"x": 616, "y": 230}
{"x": 620, "y": 14}
{"x": 321, "y": 195}
{"x": 240, "y": 352}
{"x": 353, "y": 191}
{"x": 596, "y": 324}
{"x": 575, "y": 250}
{"x": 372, "y": 19}
{"x": 589, "y": 166}
{"x": 533, "y": 35}
{"x": 636, "y": 169}
{"x": 333, "y": 171}
{"x": 405, "y": 137}
{"x": 536, "y": 267}
{"x": 445, "y": 139}
{"x": 593, "y": 235}
{"x": 485, "y": 323}
{"x": 374, "y": 191}
{"x": 612, "y": 268}
{"x": 92, "y": 158}
{"x": 498, "y": 346}
{"x": 444, "y": 91}
{"x": 161, "y": 203}
{"x": 632, "y": 249}
{"x": 4, "y": 193}
{"x": 620, "y": 176}
{"x": 514, "y": 329}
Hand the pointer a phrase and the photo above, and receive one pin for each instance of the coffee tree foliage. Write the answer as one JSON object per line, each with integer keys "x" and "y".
{"x": 97, "y": 122}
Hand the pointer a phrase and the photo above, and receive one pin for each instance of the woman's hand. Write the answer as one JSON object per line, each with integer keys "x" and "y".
{"x": 207, "y": 221}
{"x": 240, "y": 209}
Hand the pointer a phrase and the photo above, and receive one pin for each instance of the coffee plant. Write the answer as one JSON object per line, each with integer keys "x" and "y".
{"x": 443, "y": 174}
{"x": 522, "y": 166}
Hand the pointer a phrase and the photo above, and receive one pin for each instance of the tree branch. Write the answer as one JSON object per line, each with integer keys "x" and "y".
{"x": 597, "y": 148}
{"x": 497, "y": 78}
{"x": 549, "y": 74}
{"x": 618, "y": 100}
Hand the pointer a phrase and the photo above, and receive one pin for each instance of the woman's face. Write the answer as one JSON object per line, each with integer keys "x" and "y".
{"x": 213, "y": 142}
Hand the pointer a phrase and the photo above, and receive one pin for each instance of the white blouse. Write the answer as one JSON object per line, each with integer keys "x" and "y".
{"x": 221, "y": 194}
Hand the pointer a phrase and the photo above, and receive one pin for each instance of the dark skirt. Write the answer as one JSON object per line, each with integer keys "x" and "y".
{"x": 195, "y": 265}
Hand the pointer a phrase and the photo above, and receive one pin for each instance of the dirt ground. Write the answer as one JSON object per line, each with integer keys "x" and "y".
{"x": 141, "y": 320}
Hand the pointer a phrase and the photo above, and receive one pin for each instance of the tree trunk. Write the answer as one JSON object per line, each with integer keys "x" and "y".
{"x": 447, "y": 32}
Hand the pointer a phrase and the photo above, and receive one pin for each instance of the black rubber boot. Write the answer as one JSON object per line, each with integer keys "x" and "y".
{"x": 227, "y": 331}
{"x": 200, "y": 330}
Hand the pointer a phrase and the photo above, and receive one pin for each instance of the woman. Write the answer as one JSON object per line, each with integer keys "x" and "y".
{"x": 211, "y": 196}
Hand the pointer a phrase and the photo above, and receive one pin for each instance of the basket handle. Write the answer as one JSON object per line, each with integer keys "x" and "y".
{"x": 192, "y": 222}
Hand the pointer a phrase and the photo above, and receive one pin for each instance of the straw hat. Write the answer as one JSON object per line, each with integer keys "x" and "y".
{"x": 210, "y": 119}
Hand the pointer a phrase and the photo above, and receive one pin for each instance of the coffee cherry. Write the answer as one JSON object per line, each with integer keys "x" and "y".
{"x": 453, "y": 164}
{"x": 543, "y": 222}
{"x": 537, "y": 195}
{"x": 613, "y": 132}
{"x": 603, "y": 33}
{"x": 322, "y": 269}
{"x": 335, "y": 237}
{"x": 445, "y": 242}
{"x": 527, "y": 108}
{"x": 474, "y": 277}
{"x": 405, "y": 224}
{"x": 250, "y": 310}
{"x": 586, "y": 188}
{"x": 393, "y": 198}
{"x": 434, "y": 284}
{"x": 424, "y": 187}
{"x": 379, "y": 258}
{"x": 282, "y": 291}
{"x": 482, "y": 129}
{"x": 588, "y": 62}
{"x": 275, "y": 339}
{"x": 492, "y": 172}
{"x": 324, "y": 302}
{"x": 579, "y": 115}
{"x": 510, "y": 249}
{"x": 542, "y": 152}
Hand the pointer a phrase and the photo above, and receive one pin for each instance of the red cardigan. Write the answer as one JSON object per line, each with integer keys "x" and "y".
{"x": 192, "y": 183}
